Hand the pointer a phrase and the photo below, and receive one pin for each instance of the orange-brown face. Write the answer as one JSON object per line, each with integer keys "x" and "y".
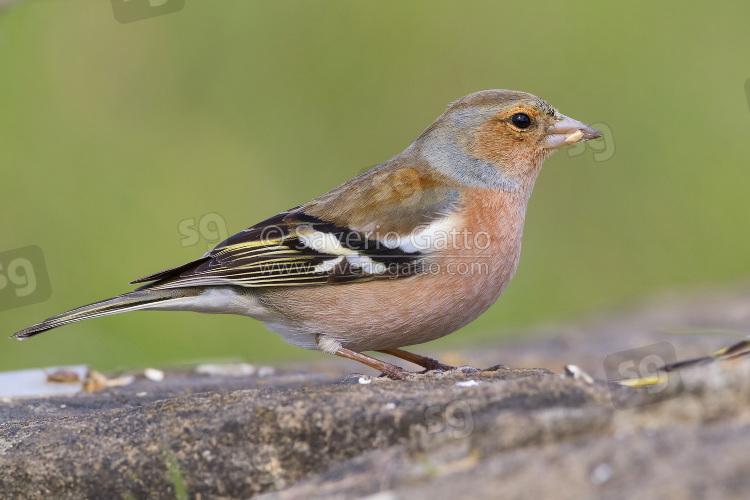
{"x": 514, "y": 137}
{"x": 497, "y": 139}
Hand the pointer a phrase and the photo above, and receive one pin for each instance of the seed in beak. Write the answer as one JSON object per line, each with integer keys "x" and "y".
{"x": 574, "y": 137}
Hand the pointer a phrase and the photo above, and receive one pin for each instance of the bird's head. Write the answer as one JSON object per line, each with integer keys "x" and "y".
{"x": 498, "y": 138}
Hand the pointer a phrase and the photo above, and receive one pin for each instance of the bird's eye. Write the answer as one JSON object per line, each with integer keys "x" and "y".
{"x": 521, "y": 120}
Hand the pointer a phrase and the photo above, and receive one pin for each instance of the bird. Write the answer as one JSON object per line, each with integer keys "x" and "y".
{"x": 406, "y": 252}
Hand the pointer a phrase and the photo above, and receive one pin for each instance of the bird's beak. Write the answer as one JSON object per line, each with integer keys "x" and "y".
{"x": 569, "y": 131}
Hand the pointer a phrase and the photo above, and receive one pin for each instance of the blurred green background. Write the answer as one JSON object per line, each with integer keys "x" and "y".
{"x": 112, "y": 134}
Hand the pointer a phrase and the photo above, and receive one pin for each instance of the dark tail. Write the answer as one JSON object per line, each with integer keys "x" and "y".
{"x": 138, "y": 299}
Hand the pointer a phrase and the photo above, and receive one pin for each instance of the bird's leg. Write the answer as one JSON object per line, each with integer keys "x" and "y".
{"x": 423, "y": 361}
{"x": 391, "y": 371}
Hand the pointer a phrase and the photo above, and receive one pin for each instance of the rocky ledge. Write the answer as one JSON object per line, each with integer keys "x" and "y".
{"x": 311, "y": 432}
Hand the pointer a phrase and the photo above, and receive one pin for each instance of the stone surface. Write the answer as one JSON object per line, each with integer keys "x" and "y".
{"x": 512, "y": 432}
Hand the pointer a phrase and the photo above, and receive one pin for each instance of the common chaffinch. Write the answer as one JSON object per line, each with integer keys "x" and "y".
{"x": 404, "y": 253}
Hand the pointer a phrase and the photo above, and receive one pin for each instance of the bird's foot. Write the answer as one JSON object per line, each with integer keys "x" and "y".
{"x": 465, "y": 369}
